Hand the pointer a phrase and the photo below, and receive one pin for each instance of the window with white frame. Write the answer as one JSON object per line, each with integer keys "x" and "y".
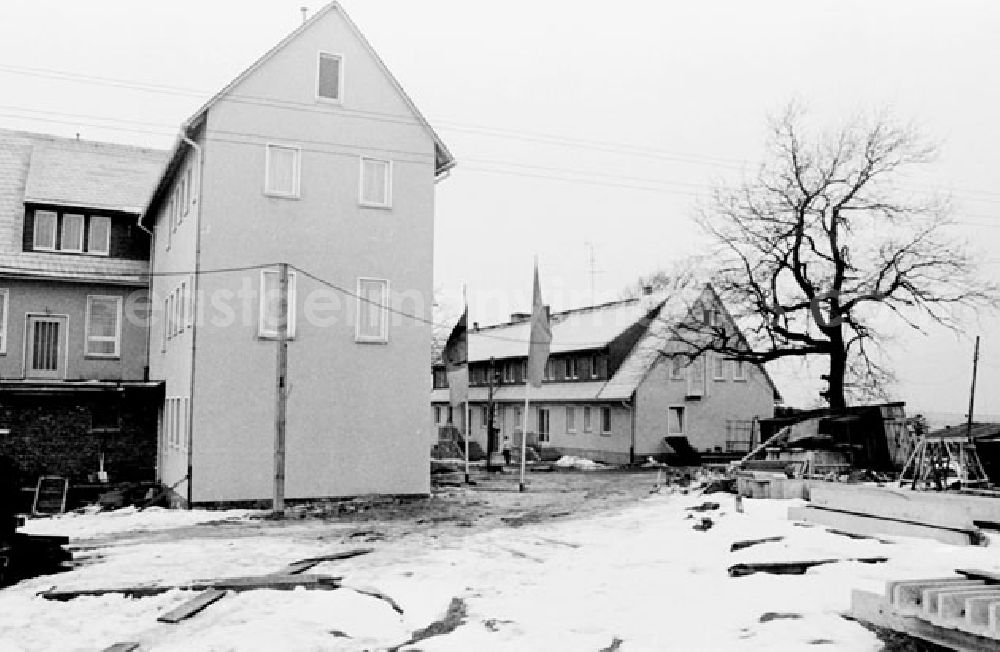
{"x": 570, "y": 419}
{"x": 282, "y": 171}
{"x": 104, "y": 326}
{"x": 543, "y": 424}
{"x": 696, "y": 377}
{"x": 4, "y": 304}
{"x": 605, "y": 421}
{"x": 44, "y": 237}
{"x": 588, "y": 425}
{"x": 270, "y": 300}
{"x": 675, "y": 420}
{"x": 593, "y": 366}
{"x": 72, "y": 233}
{"x": 550, "y": 370}
{"x": 739, "y": 370}
{"x": 189, "y": 184}
{"x": 677, "y": 367}
{"x": 571, "y": 370}
{"x": 718, "y": 367}
{"x": 376, "y": 183}
{"x": 99, "y": 235}
{"x": 484, "y": 413}
{"x": 330, "y": 77}
{"x": 373, "y": 310}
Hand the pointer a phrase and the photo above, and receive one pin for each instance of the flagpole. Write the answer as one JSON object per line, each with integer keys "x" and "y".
{"x": 468, "y": 408}
{"x": 524, "y": 432}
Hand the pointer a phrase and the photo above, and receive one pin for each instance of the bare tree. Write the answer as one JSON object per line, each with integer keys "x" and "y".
{"x": 821, "y": 240}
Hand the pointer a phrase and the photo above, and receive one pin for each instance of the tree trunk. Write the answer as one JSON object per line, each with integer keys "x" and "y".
{"x": 838, "y": 369}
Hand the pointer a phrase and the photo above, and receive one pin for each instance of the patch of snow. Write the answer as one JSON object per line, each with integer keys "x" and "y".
{"x": 580, "y": 463}
{"x": 89, "y": 525}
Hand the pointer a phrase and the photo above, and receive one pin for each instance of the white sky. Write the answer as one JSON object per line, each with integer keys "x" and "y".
{"x": 660, "y": 98}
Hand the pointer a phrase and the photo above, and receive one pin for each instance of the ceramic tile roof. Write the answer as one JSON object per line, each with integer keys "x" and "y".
{"x": 94, "y": 175}
{"x": 82, "y": 268}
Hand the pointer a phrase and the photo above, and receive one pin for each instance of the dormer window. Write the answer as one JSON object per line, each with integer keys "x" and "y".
{"x": 68, "y": 232}
{"x": 330, "y": 78}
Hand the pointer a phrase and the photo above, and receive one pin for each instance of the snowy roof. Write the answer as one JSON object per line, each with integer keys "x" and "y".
{"x": 70, "y": 172}
{"x": 581, "y": 329}
{"x": 118, "y": 271}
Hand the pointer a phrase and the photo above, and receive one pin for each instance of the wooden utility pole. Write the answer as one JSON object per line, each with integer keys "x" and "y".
{"x": 972, "y": 392}
{"x": 278, "y": 504}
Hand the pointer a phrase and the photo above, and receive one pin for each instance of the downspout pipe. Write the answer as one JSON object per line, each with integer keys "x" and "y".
{"x": 195, "y": 283}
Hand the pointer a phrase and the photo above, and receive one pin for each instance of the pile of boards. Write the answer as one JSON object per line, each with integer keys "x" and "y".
{"x": 961, "y": 612}
{"x": 950, "y": 517}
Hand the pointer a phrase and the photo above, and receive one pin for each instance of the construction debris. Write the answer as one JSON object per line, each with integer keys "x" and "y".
{"x": 794, "y": 567}
{"x": 192, "y": 606}
{"x": 960, "y": 612}
{"x": 740, "y": 545}
{"x": 947, "y": 517}
{"x": 283, "y": 582}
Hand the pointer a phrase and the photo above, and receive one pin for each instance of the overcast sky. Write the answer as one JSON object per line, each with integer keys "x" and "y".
{"x": 578, "y": 126}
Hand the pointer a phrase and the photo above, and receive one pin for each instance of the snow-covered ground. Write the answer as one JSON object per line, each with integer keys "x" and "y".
{"x": 640, "y": 575}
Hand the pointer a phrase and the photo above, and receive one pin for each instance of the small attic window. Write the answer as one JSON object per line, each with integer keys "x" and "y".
{"x": 330, "y": 77}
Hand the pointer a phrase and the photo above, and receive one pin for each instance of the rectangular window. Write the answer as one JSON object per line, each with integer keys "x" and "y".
{"x": 99, "y": 235}
{"x": 550, "y": 370}
{"x": 373, "y": 310}
{"x": 571, "y": 419}
{"x": 45, "y": 231}
{"x": 190, "y": 189}
{"x": 4, "y": 302}
{"x": 739, "y": 370}
{"x": 675, "y": 420}
{"x": 593, "y": 366}
{"x": 282, "y": 171}
{"x": 104, "y": 326}
{"x": 270, "y": 299}
{"x": 718, "y": 367}
{"x": 376, "y": 183}
{"x": 677, "y": 367}
{"x": 484, "y": 414}
{"x": 438, "y": 413}
{"x": 571, "y": 371}
{"x": 696, "y": 377}
{"x": 543, "y": 424}
{"x": 72, "y": 233}
{"x": 329, "y": 77}
{"x": 588, "y": 425}
{"x": 605, "y": 421}
{"x": 182, "y": 307}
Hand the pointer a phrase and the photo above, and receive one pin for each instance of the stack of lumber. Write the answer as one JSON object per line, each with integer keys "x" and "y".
{"x": 765, "y": 484}
{"x": 961, "y": 612}
{"x": 947, "y": 517}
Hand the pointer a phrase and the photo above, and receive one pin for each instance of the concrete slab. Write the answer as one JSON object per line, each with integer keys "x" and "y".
{"x": 952, "y": 606}
{"x": 863, "y": 524}
{"x": 940, "y": 509}
{"x": 907, "y": 596}
{"x": 929, "y": 598}
{"x": 977, "y": 611}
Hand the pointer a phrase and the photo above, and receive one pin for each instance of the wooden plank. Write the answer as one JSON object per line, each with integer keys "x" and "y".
{"x": 793, "y": 567}
{"x": 345, "y": 554}
{"x": 986, "y": 576}
{"x": 273, "y": 582}
{"x": 130, "y": 646}
{"x": 874, "y": 525}
{"x": 939, "y": 509}
{"x": 872, "y": 608}
{"x": 740, "y": 545}
{"x": 193, "y": 606}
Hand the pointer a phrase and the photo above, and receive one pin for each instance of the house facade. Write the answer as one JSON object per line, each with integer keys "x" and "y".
{"x": 313, "y": 157}
{"x": 75, "y": 397}
{"x": 617, "y": 384}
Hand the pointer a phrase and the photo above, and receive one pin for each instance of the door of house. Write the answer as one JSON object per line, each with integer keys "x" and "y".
{"x": 45, "y": 353}
{"x": 543, "y": 425}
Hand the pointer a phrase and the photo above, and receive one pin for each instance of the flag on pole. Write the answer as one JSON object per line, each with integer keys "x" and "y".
{"x": 456, "y": 360}
{"x": 541, "y": 336}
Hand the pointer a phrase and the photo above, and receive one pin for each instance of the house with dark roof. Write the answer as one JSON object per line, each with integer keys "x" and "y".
{"x": 618, "y": 383}
{"x": 314, "y": 157}
{"x": 75, "y": 397}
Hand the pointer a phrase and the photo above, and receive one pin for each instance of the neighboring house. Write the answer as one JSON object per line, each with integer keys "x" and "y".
{"x": 610, "y": 392}
{"x": 73, "y": 308}
{"x": 314, "y": 156}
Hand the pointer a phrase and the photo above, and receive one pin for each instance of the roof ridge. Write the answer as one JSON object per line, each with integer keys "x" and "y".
{"x": 563, "y": 313}
{"x": 78, "y": 142}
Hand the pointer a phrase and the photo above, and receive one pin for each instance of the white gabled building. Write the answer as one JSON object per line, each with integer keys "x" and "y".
{"x": 611, "y": 393}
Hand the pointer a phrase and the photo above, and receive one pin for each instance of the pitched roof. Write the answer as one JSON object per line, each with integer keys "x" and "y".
{"x": 581, "y": 329}
{"x": 114, "y": 271}
{"x": 68, "y": 172}
{"x": 595, "y": 327}
{"x": 444, "y": 160}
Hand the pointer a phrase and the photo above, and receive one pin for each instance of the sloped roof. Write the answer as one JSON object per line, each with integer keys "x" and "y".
{"x": 581, "y": 329}
{"x": 69, "y": 172}
{"x": 576, "y": 391}
{"x": 117, "y": 271}
{"x": 444, "y": 160}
